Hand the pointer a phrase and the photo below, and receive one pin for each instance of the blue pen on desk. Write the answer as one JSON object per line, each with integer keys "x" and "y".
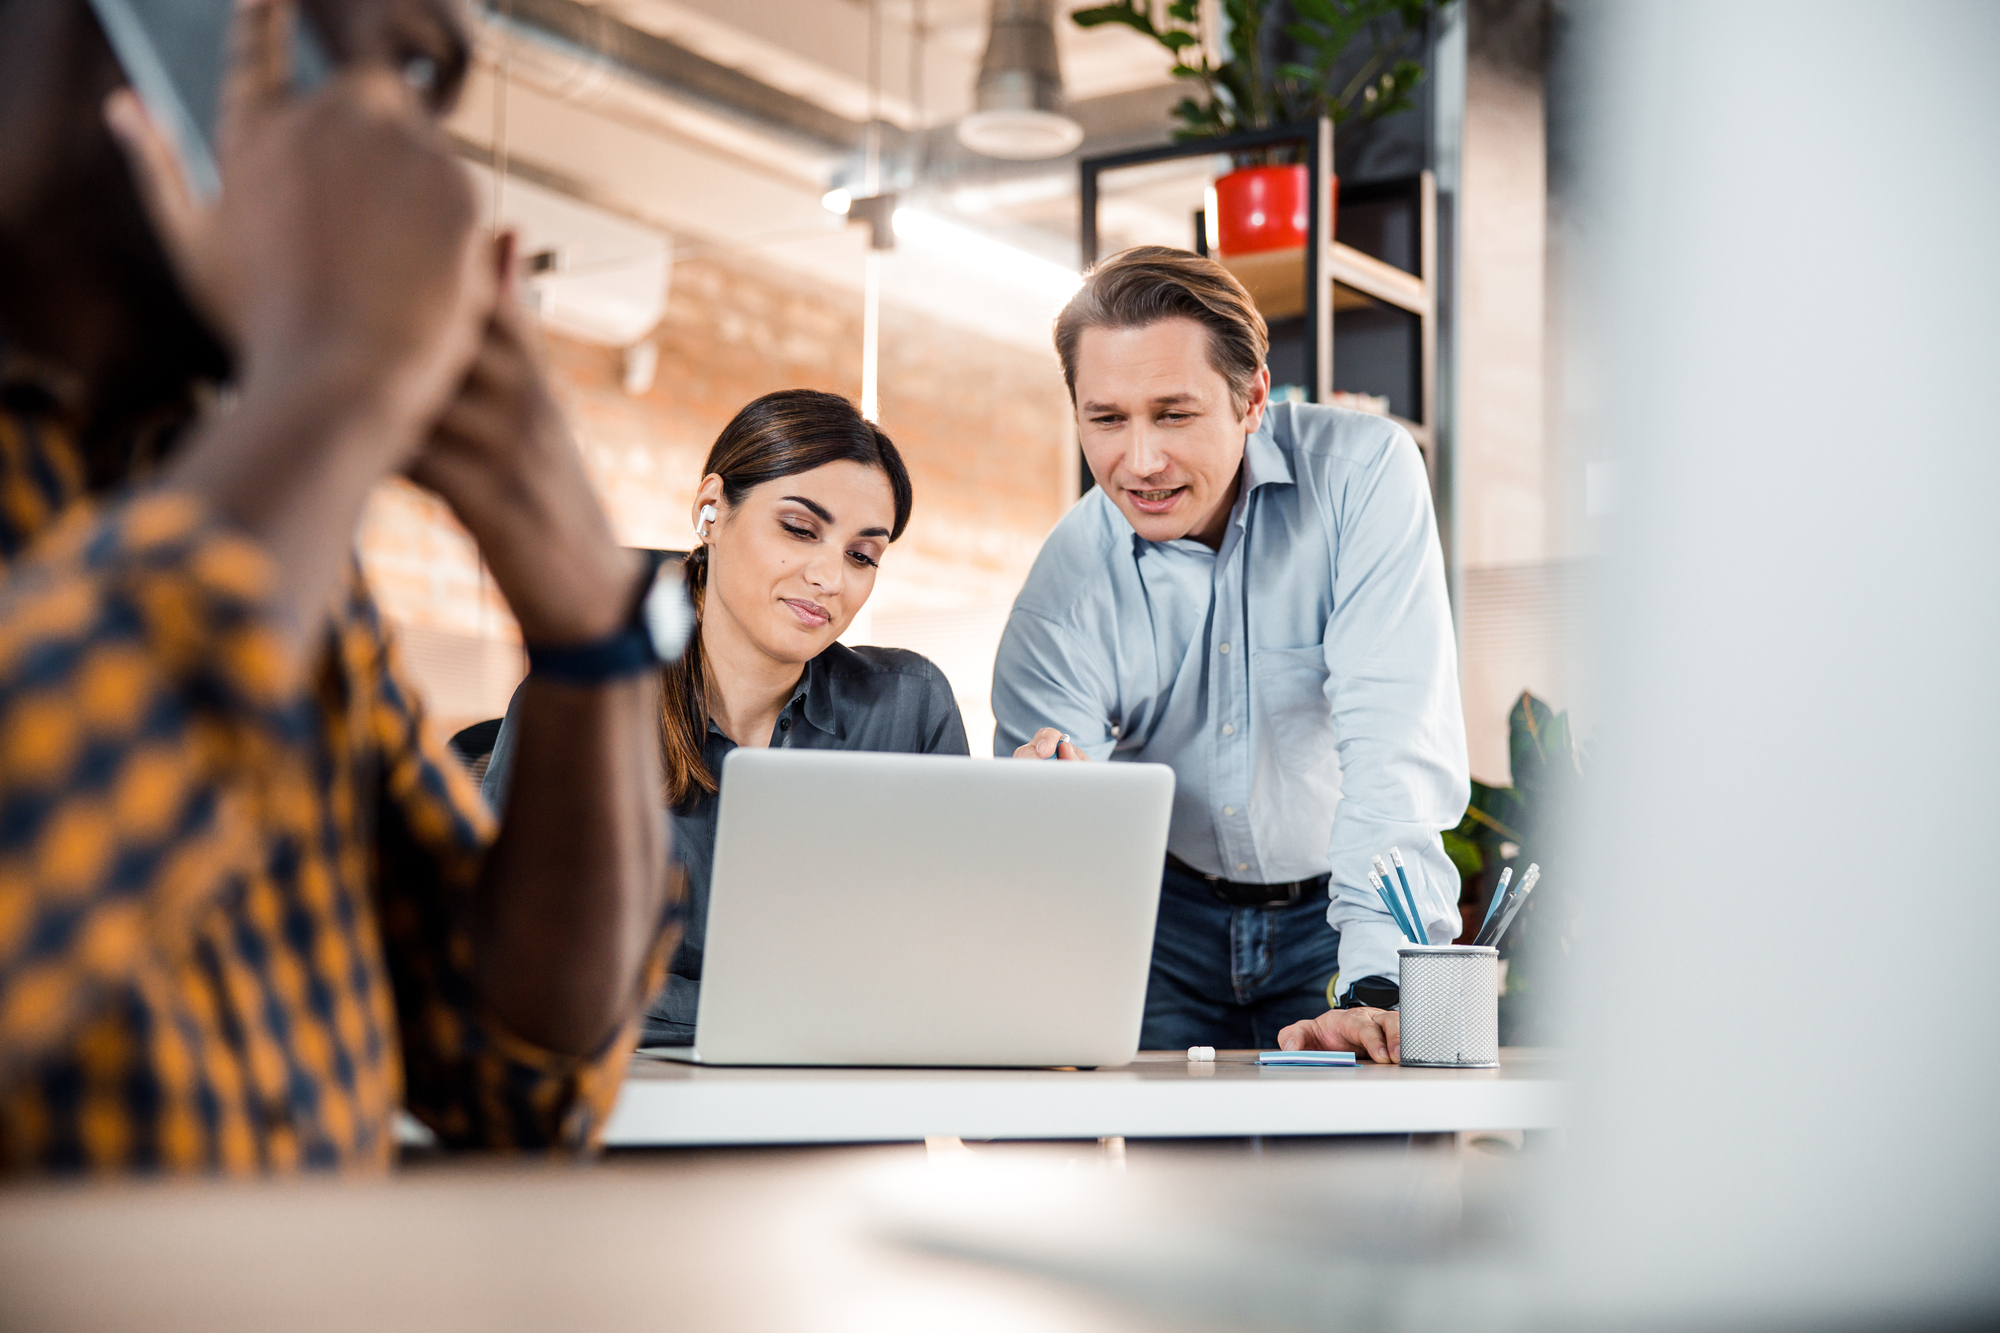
{"x": 1422, "y": 936}
{"x": 1320, "y": 1059}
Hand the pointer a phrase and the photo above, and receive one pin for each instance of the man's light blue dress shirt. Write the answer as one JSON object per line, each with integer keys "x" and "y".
{"x": 1302, "y": 681}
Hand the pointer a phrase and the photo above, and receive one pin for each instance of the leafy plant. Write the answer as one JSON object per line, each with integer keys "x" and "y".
{"x": 1543, "y": 756}
{"x": 1281, "y": 59}
{"x": 1510, "y": 825}
{"x": 1516, "y": 826}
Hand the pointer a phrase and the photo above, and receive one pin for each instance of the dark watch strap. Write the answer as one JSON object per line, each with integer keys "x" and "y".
{"x": 626, "y": 652}
{"x": 1372, "y": 993}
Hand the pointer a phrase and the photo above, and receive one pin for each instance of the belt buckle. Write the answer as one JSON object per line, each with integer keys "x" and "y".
{"x": 1293, "y": 892}
{"x": 1230, "y": 893}
{"x": 1266, "y": 902}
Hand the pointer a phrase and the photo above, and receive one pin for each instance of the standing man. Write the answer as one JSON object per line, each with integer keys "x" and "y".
{"x": 1255, "y": 596}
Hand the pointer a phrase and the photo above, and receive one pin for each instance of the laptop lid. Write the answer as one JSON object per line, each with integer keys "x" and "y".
{"x": 893, "y": 909}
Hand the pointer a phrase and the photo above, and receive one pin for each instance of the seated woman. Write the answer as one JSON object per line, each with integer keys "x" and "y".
{"x": 799, "y": 499}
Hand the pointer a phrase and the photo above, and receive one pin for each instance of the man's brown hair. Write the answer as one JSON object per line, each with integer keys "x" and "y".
{"x": 1149, "y": 283}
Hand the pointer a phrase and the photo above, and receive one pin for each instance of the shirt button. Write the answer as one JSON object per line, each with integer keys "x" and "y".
{"x": 1229, "y": 728}
{"x": 1228, "y": 810}
{"x": 784, "y": 724}
{"x": 1242, "y": 865}
{"x": 1225, "y": 647}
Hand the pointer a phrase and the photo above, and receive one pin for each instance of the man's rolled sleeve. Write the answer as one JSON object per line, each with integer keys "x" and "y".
{"x": 1392, "y": 684}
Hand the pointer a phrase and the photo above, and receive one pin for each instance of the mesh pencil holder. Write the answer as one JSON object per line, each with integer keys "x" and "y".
{"x": 1450, "y": 1007}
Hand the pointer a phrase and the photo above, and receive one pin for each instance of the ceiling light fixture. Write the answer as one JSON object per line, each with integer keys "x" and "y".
{"x": 1019, "y": 99}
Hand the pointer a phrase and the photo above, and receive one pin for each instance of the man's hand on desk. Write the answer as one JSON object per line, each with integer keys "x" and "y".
{"x": 1375, "y": 1033}
{"x": 1048, "y": 741}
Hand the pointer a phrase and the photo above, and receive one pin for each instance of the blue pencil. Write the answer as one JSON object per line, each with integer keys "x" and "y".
{"x": 1422, "y": 936}
{"x": 1514, "y": 908}
{"x": 1387, "y": 888}
{"x": 1493, "y": 908}
{"x": 1395, "y": 911}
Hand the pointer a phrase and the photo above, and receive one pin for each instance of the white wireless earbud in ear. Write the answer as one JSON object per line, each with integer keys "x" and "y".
{"x": 707, "y": 517}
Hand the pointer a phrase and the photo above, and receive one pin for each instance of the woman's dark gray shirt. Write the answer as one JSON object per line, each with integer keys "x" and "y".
{"x": 848, "y": 699}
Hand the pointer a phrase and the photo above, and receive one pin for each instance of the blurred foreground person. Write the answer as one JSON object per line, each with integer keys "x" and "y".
{"x": 248, "y": 904}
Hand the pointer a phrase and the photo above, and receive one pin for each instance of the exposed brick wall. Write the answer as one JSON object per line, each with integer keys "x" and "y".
{"x": 424, "y": 568}
{"x": 984, "y": 426}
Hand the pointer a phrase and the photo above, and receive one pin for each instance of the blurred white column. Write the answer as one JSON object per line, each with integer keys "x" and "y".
{"x": 1788, "y": 993}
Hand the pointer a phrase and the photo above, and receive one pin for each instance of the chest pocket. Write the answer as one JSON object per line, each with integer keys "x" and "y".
{"x": 1289, "y": 707}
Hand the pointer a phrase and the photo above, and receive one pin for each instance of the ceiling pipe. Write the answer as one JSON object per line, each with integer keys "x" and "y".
{"x": 1019, "y": 99}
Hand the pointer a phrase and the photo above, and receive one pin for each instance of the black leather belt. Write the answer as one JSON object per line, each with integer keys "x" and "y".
{"x": 1238, "y": 894}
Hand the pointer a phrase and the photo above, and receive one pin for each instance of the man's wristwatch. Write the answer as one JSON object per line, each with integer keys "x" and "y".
{"x": 1372, "y": 993}
{"x": 654, "y": 634}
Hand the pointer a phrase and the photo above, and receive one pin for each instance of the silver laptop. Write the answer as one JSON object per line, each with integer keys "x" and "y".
{"x": 892, "y": 909}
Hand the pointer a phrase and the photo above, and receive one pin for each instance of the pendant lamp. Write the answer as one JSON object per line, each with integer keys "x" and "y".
{"x": 1019, "y": 102}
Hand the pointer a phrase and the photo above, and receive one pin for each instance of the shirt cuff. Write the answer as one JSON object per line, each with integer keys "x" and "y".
{"x": 1368, "y": 949}
{"x": 559, "y": 1100}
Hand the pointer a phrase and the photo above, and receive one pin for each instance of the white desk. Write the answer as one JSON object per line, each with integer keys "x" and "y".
{"x": 795, "y": 1240}
{"x": 1157, "y": 1096}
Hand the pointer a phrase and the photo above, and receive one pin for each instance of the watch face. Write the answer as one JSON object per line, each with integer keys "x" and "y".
{"x": 667, "y": 614}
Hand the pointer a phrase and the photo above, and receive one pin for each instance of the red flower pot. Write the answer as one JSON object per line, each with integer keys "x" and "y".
{"x": 1263, "y": 208}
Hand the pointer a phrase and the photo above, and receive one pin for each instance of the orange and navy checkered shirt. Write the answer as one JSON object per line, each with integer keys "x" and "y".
{"x": 234, "y": 887}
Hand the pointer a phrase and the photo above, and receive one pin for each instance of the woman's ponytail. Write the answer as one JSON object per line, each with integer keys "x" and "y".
{"x": 684, "y": 700}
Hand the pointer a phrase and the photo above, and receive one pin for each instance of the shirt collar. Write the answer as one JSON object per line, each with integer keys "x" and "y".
{"x": 812, "y": 697}
{"x": 37, "y": 387}
{"x": 1264, "y": 463}
{"x": 816, "y": 689}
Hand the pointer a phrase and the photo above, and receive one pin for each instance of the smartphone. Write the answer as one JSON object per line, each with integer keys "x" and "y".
{"x": 175, "y": 54}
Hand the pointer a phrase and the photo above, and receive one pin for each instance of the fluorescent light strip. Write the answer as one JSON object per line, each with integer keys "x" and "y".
{"x": 996, "y": 258}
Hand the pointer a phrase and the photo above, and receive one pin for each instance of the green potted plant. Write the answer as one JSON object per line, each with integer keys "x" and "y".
{"x": 1517, "y": 826}
{"x": 1281, "y": 66}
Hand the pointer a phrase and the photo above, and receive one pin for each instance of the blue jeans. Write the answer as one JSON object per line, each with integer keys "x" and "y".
{"x": 1230, "y": 977}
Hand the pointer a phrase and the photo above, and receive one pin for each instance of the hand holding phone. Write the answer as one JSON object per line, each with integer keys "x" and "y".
{"x": 343, "y": 261}
{"x": 175, "y": 54}
{"x": 343, "y": 239}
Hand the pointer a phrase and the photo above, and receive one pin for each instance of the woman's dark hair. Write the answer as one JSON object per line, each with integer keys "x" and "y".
{"x": 779, "y": 435}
